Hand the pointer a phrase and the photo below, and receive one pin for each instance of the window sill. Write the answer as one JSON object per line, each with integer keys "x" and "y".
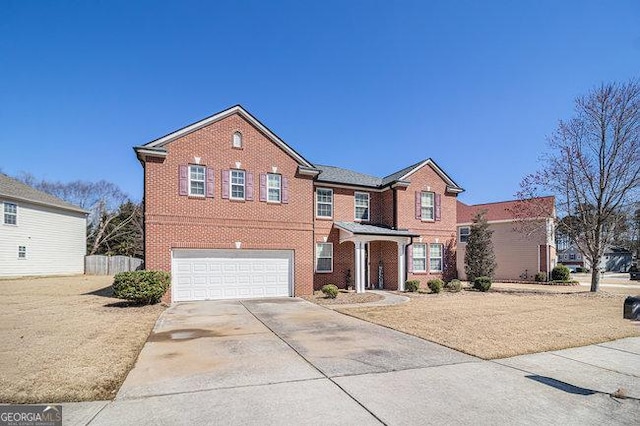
{"x": 324, "y": 272}
{"x": 237, "y": 200}
{"x": 427, "y": 220}
{"x": 323, "y": 218}
{"x": 240, "y": 148}
{"x": 274, "y": 202}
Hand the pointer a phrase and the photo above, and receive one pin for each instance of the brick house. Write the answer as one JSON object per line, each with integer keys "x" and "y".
{"x": 523, "y": 236}
{"x": 234, "y": 212}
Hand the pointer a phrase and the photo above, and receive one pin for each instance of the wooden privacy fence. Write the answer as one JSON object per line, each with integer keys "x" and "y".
{"x": 110, "y": 265}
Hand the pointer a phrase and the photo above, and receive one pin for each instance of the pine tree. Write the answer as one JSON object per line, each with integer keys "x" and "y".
{"x": 479, "y": 259}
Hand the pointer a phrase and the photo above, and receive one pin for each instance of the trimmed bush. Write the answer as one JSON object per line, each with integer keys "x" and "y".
{"x": 141, "y": 287}
{"x": 560, "y": 273}
{"x": 455, "y": 286}
{"x": 412, "y": 286}
{"x": 541, "y": 277}
{"x": 330, "y": 291}
{"x": 482, "y": 283}
{"x": 435, "y": 285}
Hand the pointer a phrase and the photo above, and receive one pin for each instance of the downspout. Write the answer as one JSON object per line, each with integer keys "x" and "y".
{"x": 406, "y": 259}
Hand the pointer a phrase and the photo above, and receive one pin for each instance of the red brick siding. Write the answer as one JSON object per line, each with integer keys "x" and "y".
{"x": 432, "y": 232}
{"x": 173, "y": 221}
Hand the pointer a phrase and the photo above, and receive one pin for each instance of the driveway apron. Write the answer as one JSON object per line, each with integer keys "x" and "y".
{"x": 287, "y": 361}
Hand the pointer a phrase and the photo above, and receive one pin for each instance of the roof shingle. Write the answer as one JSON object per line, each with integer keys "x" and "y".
{"x": 15, "y": 190}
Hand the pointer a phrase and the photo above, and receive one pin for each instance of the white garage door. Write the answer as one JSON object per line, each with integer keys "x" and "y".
{"x": 230, "y": 274}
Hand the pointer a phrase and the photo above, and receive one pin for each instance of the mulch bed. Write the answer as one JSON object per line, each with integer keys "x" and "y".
{"x": 344, "y": 298}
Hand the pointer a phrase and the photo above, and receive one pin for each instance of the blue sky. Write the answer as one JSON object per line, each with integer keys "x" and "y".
{"x": 372, "y": 86}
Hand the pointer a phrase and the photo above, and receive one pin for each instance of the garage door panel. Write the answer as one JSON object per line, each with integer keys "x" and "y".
{"x": 220, "y": 274}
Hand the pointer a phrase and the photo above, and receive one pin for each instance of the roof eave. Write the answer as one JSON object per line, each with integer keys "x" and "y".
{"x": 44, "y": 204}
{"x": 223, "y": 114}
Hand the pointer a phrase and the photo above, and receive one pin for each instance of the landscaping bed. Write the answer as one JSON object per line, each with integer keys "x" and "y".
{"x": 66, "y": 339}
{"x": 507, "y": 322}
{"x": 343, "y": 298}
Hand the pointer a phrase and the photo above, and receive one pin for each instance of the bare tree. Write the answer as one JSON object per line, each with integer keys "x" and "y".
{"x": 108, "y": 221}
{"x": 593, "y": 168}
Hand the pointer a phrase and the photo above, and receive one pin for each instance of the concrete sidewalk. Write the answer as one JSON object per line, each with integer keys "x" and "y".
{"x": 287, "y": 361}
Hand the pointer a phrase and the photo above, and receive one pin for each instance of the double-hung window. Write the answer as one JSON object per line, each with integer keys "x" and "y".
{"x": 435, "y": 257}
{"x": 274, "y": 188}
{"x": 427, "y": 205}
{"x": 419, "y": 258}
{"x": 22, "y": 252}
{"x": 10, "y": 214}
{"x": 237, "y": 184}
{"x": 362, "y": 206}
{"x": 196, "y": 180}
{"x": 324, "y": 203}
{"x": 464, "y": 234}
{"x": 324, "y": 257}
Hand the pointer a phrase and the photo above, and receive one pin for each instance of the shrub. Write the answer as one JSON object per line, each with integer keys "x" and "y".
{"x": 412, "y": 286}
{"x": 141, "y": 287}
{"x": 330, "y": 291}
{"x": 455, "y": 286}
{"x": 435, "y": 285}
{"x": 482, "y": 283}
{"x": 560, "y": 273}
{"x": 541, "y": 277}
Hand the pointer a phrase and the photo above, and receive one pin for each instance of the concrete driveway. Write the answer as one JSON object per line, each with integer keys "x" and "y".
{"x": 287, "y": 361}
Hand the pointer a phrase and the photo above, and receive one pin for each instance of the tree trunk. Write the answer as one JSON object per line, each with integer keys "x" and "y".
{"x": 595, "y": 279}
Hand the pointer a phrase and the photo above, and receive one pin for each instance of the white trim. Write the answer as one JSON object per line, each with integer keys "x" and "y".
{"x": 244, "y": 185}
{"x": 504, "y": 221}
{"x": 433, "y": 206}
{"x": 355, "y": 206}
{"x": 316, "y": 204}
{"x": 441, "y": 258}
{"x": 353, "y": 187}
{"x": 14, "y": 213}
{"x": 204, "y": 181}
{"x": 451, "y": 185}
{"x": 219, "y": 116}
{"x": 460, "y": 228}
{"x": 279, "y": 188}
{"x": 316, "y": 257}
{"x": 413, "y": 257}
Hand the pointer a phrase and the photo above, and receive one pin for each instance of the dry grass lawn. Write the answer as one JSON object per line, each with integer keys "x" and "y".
{"x": 66, "y": 339}
{"x": 509, "y": 320}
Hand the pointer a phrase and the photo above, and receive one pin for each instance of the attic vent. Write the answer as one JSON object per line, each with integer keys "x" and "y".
{"x": 237, "y": 140}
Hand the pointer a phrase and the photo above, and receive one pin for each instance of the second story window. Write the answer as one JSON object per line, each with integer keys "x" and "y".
{"x": 362, "y": 206}
{"x": 10, "y": 214}
{"x": 273, "y": 188}
{"x": 324, "y": 203}
{"x": 427, "y": 205}
{"x": 237, "y": 184}
{"x": 464, "y": 234}
{"x": 196, "y": 181}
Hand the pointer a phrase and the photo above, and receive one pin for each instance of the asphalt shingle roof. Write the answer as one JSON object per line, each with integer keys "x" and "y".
{"x": 360, "y": 228}
{"x": 16, "y": 190}
{"x": 338, "y": 175}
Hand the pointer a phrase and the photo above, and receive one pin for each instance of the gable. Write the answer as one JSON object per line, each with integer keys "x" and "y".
{"x": 158, "y": 147}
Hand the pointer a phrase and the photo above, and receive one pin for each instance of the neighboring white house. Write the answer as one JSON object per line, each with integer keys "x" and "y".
{"x": 39, "y": 233}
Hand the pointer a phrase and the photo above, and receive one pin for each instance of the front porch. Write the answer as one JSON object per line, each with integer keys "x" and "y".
{"x": 379, "y": 254}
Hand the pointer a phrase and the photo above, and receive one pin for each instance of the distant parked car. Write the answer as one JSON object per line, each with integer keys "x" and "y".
{"x": 634, "y": 273}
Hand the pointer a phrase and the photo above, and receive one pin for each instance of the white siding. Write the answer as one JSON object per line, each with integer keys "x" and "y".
{"x": 55, "y": 241}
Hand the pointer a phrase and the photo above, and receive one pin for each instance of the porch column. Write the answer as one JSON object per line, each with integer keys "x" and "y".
{"x": 401, "y": 264}
{"x": 360, "y": 268}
